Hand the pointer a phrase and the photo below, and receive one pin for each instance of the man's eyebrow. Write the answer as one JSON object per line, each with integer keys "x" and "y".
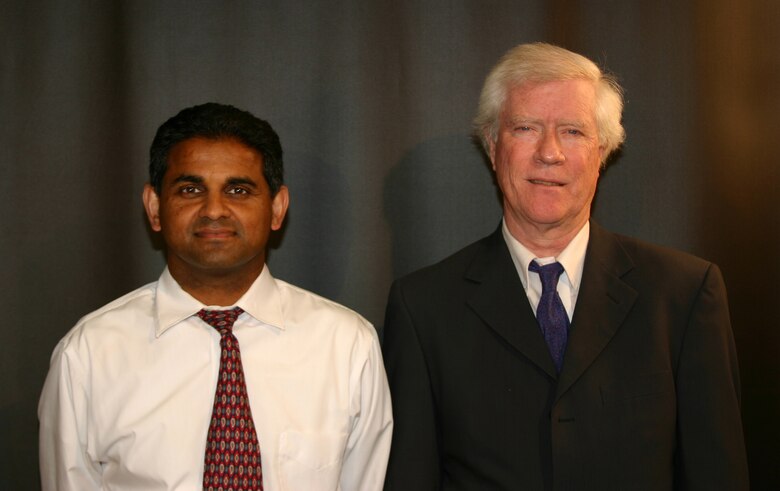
{"x": 245, "y": 181}
{"x": 519, "y": 118}
{"x": 577, "y": 123}
{"x": 188, "y": 178}
{"x": 232, "y": 181}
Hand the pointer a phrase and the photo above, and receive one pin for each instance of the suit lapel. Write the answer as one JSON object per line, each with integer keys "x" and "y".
{"x": 602, "y": 305}
{"x": 499, "y": 300}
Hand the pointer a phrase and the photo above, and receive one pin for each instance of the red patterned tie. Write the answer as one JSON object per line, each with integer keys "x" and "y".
{"x": 232, "y": 451}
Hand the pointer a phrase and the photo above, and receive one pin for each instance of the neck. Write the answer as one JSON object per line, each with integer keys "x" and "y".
{"x": 214, "y": 288}
{"x": 544, "y": 241}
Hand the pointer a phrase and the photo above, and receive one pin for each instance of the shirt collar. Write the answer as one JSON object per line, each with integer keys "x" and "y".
{"x": 172, "y": 304}
{"x": 263, "y": 300}
{"x": 572, "y": 257}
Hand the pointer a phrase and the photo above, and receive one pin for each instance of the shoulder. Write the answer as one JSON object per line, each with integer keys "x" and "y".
{"x": 138, "y": 301}
{"x": 446, "y": 286}
{"x": 302, "y": 307}
{"x": 140, "y": 298}
{"x": 668, "y": 260}
{"x": 645, "y": 264}
{"x": 453, "y": 268}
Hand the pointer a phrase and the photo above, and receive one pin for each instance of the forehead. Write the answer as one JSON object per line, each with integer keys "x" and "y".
{"x": 559, "y": 99}
{"x": 200, "y": 155}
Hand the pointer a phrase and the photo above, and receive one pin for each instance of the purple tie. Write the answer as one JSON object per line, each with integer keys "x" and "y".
{"x": 232, "y": 459}
{"x": 550, "y": 314}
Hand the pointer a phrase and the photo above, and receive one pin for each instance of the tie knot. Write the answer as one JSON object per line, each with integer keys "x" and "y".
{"x": 221, "y": 320}
{"x": 548, "y": 274}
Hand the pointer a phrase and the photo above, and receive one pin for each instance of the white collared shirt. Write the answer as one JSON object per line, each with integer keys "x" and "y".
{"x": 129, "y": 394}
{"x": 572, "y": 258}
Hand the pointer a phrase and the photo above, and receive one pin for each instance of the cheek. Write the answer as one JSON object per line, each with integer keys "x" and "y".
{"x": 256, "y": 221}
{"x": 515, "y": 155}
{"x": 176, "y": 219}
{"x": 589, "y": 182}
{"x": 503, "y": 177}
{"x": 172, "y": 214}
{"x": 256, "y": 236}
{"x": 510, "y": 171}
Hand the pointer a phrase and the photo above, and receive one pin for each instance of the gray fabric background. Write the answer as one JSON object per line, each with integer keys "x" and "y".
{"x": 373, "y": 102}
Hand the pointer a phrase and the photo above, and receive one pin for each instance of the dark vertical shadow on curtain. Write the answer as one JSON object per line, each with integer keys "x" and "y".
{"x": 738, "y": 97}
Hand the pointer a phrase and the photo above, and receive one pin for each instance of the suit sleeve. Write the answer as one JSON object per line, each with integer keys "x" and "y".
{"x": 414, "y": 454}
{"x": 711, "y": 449}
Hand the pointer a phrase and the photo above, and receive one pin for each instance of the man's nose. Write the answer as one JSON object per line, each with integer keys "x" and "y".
{"x": 214, "y": 206}
{"x": 549, "y": 149}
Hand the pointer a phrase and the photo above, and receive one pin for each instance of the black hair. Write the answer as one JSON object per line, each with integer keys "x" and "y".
{"x": 217, "y": 121}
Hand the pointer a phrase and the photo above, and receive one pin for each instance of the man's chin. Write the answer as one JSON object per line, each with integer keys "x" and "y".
{"x": 217, "y": 265}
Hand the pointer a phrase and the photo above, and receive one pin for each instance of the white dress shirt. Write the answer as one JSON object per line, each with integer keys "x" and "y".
{"x": 128, "y": 398}
{"x": 572, "y": 258}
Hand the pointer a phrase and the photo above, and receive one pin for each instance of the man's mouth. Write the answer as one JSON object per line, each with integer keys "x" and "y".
{"x": 544, "y": 183}
{"x": 214, "y": 233}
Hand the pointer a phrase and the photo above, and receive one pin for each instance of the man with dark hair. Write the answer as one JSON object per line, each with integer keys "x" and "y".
{"x": 553, "y": 354}
{"x": 215, "y": 121}
{"x": 216, "y": 376}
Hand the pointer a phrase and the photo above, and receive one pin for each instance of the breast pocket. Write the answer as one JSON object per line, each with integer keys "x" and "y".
{"x": 311, "y": 461}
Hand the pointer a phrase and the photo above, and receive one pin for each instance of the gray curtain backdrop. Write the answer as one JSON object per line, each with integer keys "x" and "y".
{"x": 373, "y": 102}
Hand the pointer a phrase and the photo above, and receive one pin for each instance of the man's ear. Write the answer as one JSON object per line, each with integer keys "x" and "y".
{"x": 279, "y": 204}
{"x": 491, "y": 149}
{"x": 152, "y": 207}
{"x": 602, "y": 159}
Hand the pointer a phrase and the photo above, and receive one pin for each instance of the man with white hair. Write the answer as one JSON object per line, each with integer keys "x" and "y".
{"x": 554, "y": 354}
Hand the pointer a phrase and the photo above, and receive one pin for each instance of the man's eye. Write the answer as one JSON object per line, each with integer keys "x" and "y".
{"x": 237, "y": 191}
{"x": 189, "y": 190}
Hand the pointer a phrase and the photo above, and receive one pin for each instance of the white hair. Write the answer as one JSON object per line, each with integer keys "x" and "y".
{"x": 540, "y": 63}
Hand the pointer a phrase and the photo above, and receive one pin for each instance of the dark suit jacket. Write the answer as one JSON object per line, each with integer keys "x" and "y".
{"x": 647, "y": 398}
